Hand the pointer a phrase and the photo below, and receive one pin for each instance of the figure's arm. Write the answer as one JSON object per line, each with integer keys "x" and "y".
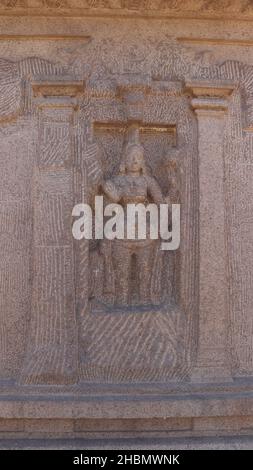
{"x": 154, "y": 191}
{"x": 111, "y": 191}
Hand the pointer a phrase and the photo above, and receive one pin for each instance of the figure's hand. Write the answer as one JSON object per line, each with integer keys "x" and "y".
{"x": 108, "y": 187}
{"x": 110, "y": 190}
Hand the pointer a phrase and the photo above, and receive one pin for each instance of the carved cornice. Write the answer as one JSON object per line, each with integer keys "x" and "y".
{"x": 234, "y": 9}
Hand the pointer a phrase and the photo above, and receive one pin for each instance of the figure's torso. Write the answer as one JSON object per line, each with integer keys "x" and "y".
{"x": 131, "y": 189}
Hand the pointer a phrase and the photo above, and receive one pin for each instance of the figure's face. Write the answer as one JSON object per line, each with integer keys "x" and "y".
{"x": 134, "y": 161}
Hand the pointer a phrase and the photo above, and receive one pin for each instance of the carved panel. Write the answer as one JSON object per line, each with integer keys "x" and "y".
{"x": 80, "y": 137}
{"x": 15, "y": 242}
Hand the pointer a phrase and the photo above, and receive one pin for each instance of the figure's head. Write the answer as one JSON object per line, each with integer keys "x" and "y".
{"x": 134, "y": 160}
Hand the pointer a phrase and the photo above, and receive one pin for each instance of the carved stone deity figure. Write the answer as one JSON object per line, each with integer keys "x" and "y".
{"x": 133, "y": 185}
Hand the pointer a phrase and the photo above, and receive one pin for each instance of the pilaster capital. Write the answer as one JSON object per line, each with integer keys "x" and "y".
{"x": 209, "y": 97}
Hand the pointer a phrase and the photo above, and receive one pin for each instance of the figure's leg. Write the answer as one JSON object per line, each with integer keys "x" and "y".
{"x": 145, "y": 257}
{"x": 122, "y": 269}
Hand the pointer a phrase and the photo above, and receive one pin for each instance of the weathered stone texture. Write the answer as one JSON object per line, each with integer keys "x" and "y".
{"x": 98, "y": 345}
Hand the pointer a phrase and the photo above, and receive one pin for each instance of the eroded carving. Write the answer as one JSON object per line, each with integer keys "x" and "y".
{"x": 171, "y": 158}
{"x": 133, "y": 186}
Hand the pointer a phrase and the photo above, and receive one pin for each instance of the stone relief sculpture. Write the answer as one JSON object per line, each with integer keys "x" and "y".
{"x": 162, "y": 106}
{"x": 118, "y": 338}
{"x": 150, "y": 290}
{"x": 132, "y": 186}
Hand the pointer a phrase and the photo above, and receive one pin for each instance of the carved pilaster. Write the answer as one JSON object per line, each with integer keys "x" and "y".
{"x": 210, "y": 104}
{"x": 52, "y": 352}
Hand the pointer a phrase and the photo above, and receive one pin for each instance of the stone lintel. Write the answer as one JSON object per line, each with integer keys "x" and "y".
{"x": 62, "y": 88}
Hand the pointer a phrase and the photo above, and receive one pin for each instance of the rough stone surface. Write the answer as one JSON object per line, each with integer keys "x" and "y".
{"x": 106, "y": 341}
